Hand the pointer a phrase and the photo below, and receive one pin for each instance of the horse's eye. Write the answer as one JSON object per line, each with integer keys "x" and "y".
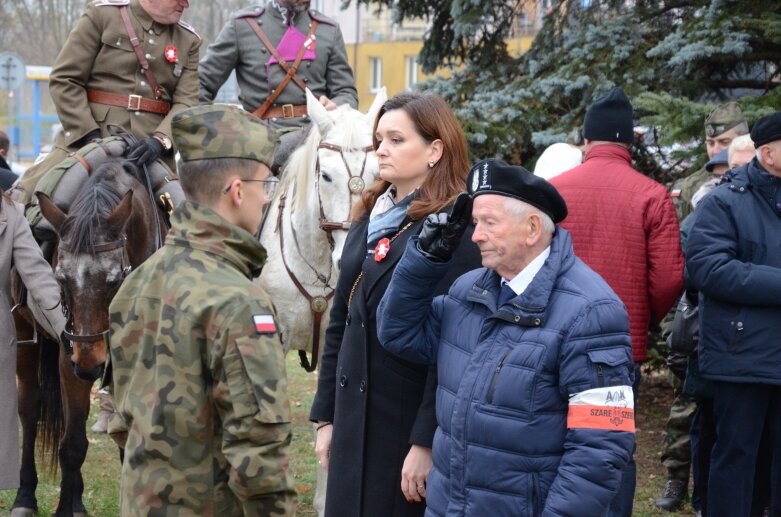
{"x": 326, "y": 177}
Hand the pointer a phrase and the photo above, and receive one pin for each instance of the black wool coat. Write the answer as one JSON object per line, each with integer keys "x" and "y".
{"x": 379, "y": 404}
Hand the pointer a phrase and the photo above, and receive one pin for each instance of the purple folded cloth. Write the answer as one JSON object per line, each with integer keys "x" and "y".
{"x": 289, "y": 46}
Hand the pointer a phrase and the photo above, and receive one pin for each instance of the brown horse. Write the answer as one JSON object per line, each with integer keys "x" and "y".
{"x": 112, "y": 227}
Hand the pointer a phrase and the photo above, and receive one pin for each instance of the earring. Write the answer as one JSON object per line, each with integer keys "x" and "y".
{"x": 431, "y": 165}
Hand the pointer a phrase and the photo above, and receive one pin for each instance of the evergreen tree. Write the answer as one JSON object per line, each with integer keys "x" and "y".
{"x": 676, "y": 59}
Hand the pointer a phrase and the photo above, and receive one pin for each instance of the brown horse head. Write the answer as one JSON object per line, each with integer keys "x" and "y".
{"x": 108, "y": 231}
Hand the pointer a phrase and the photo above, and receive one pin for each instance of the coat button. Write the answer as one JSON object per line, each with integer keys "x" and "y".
{"x": 362, "y": 386}
{"x": 151, "y": 41}
{"x": 143, "y": 83}
{"x": 148, "y": 56}
{"x": 343, "y": 381}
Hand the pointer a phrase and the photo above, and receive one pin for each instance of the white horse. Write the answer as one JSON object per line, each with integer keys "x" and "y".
{"x": 306, "y": 225}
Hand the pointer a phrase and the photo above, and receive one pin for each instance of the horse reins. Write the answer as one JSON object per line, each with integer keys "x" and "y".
{"x": 120, "y": 243}
{"x": 319, "y": 304}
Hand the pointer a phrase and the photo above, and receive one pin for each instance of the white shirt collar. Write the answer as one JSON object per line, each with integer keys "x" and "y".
{"x": 522, "y": 280}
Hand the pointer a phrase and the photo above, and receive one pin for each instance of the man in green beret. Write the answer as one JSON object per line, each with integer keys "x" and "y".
{"x": 723, "y": 124}
{"x": 198, "y": 367}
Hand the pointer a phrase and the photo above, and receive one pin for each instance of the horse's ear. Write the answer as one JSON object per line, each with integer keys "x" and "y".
{"x": 318, "y": 113}
{"x": 51, "y": 212}
{"x": 379, "y": 100}
{"x": 121, "y": 213}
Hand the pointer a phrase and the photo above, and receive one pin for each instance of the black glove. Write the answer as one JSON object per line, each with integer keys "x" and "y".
{"x": 145, "y": 151}
{"x": 88, "y": 138}
{"x": 677, "y": 364}
{"x": 442, "y": 233}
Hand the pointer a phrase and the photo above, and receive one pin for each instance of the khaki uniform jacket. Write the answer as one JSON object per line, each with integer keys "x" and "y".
{"x": 199, "y": 389}
{"x": 98, "y": 55}
{"x": 238, "y": 47}
{"x": 18, "y": 248}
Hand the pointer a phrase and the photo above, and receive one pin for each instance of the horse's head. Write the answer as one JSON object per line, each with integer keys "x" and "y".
{"x": 92, "y": 262}
{"x": 345, "y": 163}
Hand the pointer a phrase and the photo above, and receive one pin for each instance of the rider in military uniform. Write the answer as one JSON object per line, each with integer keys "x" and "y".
{"x": 198, "y": 366}
{"x": 256, "y": 39}
{"x": 99, "y": 78}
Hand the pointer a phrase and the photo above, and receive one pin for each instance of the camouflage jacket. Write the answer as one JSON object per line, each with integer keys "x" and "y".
{"x": 684, "y": 189}
{"x": 199, "y": 378}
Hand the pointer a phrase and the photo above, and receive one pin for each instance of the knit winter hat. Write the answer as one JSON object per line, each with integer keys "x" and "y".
{"x": 609, "y": 119}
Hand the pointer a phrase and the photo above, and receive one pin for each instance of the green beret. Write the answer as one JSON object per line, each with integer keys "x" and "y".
{"x": 723, "y": 118}
{"x": 494, "y": 176}
{"x": 222, "y": 131}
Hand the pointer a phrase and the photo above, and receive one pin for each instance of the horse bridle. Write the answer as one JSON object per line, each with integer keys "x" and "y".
{"x": 318, "y": 304}
{"x": 355, "y": 184}
{"x": 120, "y": 243}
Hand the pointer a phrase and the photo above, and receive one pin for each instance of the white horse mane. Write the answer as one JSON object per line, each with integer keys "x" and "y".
{"x": 348, "y": 125}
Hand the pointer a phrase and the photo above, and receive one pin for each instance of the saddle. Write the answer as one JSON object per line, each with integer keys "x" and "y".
{"x": 63, "y": 182}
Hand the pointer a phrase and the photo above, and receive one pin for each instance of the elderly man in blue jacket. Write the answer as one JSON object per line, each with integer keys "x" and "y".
{"x": 534, "y": 408}
{"x": 734, "y": 260}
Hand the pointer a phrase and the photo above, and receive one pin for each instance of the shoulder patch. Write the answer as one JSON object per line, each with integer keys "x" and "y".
{"x": 264, "y": 323}
{"x": 115, "y": 3}
{"x": 249, "y": 12}
{"x": 189, "y": 27}
{"x": 321, "y": 18}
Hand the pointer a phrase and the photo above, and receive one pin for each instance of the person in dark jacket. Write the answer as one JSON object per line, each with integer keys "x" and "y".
{"x": 375, "y": 412}
{"x": 534, "y": 405}
{"x": 733, "y": 258}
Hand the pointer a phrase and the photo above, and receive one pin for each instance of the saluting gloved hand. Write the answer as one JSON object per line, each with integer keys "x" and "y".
{"x": 145, "y": 151}
{"x": 442, "y": 233}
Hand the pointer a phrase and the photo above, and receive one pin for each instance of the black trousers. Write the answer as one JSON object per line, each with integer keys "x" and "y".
{"x": 744, "y": 414}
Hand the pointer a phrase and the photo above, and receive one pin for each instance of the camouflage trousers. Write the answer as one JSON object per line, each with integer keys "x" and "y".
{"x": 676, "y": 451}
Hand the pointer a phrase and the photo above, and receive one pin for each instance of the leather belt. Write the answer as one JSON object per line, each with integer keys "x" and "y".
{"x": 129, "y": 102}
{"x": 285, "y": 111}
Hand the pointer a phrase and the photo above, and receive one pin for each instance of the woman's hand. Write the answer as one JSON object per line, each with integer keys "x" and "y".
{"x": 414, "y": 473}
{"x": 323, "y": 443}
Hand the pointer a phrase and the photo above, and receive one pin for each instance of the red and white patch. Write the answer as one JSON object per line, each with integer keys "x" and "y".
{"x": 610, "y": 408}
{"x": 382, "y": 249}
{"x": 675, "y": 192}
{"x": 170, "y": 54}
{"x": 264, "y": 323}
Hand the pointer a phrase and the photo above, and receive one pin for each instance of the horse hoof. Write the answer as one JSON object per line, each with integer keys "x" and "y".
{"x": 22, "y": 512}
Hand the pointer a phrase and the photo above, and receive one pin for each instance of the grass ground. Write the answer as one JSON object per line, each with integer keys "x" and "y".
{"x": 101, "y": 470}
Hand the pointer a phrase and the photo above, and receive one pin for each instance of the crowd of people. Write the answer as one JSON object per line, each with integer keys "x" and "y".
{"x": 488, "y": 325}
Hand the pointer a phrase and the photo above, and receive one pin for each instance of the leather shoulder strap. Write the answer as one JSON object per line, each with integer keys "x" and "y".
{"x": 131, "y": 32}
{"x": 291, "y": 70}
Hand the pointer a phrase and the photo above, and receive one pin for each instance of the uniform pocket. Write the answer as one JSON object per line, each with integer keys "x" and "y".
{"x": 240, "y": 387}
{"x": 116, "y": 40}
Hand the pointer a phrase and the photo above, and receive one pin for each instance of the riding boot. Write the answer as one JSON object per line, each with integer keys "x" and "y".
{"x": 106, "y": 410}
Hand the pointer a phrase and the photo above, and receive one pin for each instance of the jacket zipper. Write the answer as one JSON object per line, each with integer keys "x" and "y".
{"x": 535, "y": 499}
{"x": 492, "y": 386}
{"x": 600, "y": 376}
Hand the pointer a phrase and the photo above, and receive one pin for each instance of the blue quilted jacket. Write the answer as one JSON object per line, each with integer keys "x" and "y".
{"x": 506, "y": 375}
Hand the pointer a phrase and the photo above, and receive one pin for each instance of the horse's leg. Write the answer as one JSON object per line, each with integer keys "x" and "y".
{"x": 25, "y": 504}
{"x": 73, "y": 447}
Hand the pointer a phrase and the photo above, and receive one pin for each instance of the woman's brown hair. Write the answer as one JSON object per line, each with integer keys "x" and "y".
{"x": 433, "y": 120}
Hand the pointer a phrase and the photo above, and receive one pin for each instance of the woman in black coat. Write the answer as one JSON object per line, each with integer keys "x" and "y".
{"x": 375, "y": 412}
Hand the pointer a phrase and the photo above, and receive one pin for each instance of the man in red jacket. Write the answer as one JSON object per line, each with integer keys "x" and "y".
{"x": 624, "y": 226}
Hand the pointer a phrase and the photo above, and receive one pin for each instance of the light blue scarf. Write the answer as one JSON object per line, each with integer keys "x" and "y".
{"x": 387, "y": 216}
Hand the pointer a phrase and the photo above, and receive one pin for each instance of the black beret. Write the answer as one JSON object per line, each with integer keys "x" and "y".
{"x": 494, "y": 176}
{"x": 766, "y": 130}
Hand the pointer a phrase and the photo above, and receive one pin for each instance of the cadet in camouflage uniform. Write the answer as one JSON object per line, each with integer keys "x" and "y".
{"x": 198, "y": 367}
{"x": 323, "y": 69}
{"x": 722, "y": 125}
{"x": 97, "y": 79}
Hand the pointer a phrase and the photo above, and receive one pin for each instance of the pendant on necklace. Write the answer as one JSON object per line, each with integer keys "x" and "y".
{"x": 382, "y": 249}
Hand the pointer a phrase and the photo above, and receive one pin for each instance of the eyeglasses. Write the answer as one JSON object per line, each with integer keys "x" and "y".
{"x": 269, "y": 185}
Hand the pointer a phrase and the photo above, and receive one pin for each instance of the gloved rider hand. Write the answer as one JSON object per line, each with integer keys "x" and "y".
{"x": 145, "y": 151}
{"x": 442, "y": 233}
{"x": 88, "y": 138}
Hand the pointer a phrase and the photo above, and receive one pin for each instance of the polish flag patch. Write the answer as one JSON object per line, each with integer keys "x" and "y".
{"x": 609, "y": 408}
{"x": 264, "y": 323}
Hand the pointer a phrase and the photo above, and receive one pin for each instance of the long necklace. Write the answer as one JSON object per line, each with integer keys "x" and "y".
{"x": 388, "y": 243}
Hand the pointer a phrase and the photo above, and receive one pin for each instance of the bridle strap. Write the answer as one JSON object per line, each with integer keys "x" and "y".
{"x": 317, "y": 304}
{"x": 325, "y": 224}
{"x": 85, "y": 338}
